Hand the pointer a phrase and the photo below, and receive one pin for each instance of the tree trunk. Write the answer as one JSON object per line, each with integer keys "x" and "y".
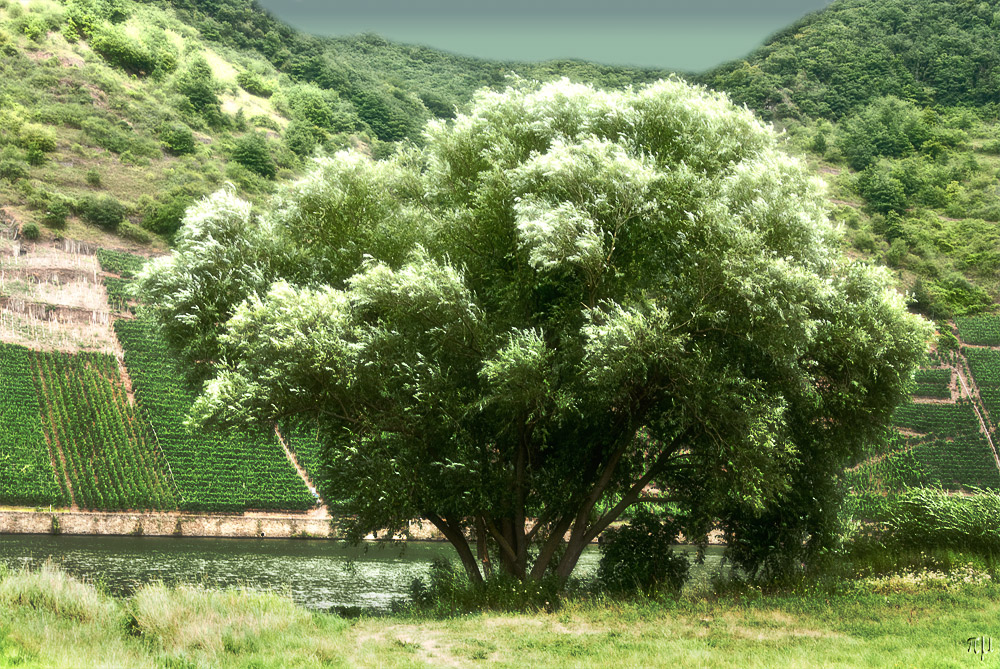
{"x": 454, "y": 535}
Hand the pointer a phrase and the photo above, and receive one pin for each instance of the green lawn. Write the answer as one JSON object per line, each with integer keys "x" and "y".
{"x": 52, "y": 620}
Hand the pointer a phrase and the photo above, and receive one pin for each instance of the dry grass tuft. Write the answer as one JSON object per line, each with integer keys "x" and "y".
{"x": 51, "y": 589}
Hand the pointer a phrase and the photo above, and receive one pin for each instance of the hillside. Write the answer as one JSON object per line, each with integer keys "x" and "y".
{"x": 116, "y": 115}
{"x": 833, "y": 62}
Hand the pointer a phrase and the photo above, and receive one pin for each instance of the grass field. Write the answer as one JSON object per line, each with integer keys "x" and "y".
{"x": 916, "y": 620}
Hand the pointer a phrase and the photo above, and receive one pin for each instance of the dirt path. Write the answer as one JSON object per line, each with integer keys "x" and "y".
{"x": 321, "y": 511}
{"x": 968, "y": 386}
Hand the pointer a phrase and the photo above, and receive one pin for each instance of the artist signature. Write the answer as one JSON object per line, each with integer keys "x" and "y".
{"x": 980, "y": 645}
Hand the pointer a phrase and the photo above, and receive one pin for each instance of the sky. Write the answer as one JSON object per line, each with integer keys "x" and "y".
{"x": 672, "y": 34}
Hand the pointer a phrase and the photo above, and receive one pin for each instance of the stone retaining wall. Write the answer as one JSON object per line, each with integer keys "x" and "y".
{"x": 163, "y": 525}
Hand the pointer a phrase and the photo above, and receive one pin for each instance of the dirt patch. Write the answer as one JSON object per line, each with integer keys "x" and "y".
{"x": 97, "y": 96}
{"x": 59, "y": 313}
{"x": 71, "y": 60}
{"x": 55, "y": 335}
{"x": 428, "y": 645}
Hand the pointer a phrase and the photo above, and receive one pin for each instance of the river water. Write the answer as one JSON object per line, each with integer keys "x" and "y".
{"x": 318, "y": 574}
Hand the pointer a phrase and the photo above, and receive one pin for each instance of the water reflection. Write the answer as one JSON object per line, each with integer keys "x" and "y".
{"x": 317, "y": 574}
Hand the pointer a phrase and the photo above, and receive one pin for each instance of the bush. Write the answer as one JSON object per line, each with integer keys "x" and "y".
{"x": 30, "y": 231}
{"x": 882, "y": 191}
{"x": 638, "y": 558}
{"x": 34, "y": 137}
{"x": 121, "y": 51}
{"x": 300, "y": 138}
{"x": 177, "y": 138}
{"x": 12, "y": 170}
{"x": 254, "y": 84}
{"x": 105, "y": 135}
{"x": 955, "y": 295}
{"x": 34, "y": 27}
{"x": 928, "y": 518}
{"x": 93, "y": 178}
{"x": 252, "y": 152}
{"x": 449, "y": 592}
{"x": 897, "y": 252}
{"x": 56, "y": 213}
{"x": 134, "y": 233}
{"x": 197, "y": 84}
{"x": 865, "y": 241}
{"x": 165, "y": 217}
{"x": 264, "y": 121}
{"x": 105, "y": 212}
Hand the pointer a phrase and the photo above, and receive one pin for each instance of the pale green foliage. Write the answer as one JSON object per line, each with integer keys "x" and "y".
{"x": 566, "y": 295}
{"x": 223, "y": 258}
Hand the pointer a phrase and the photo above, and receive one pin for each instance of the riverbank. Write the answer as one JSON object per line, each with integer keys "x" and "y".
{"x": 53, "y": 620}
{"x": 179, "y": 524}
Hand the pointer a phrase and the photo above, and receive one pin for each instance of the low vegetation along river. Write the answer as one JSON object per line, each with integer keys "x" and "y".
{"x": 321, "y": 575}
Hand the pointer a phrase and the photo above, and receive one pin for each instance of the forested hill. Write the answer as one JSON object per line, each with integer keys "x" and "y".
{"x": 835, "y": 61}
{"x": 393, "y": 87}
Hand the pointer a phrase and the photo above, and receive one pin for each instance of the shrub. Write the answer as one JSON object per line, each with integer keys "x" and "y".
{"x": 34, "y": 27}
{"x": 165, "y": 217}
{"x": 449, "y": 591}
{"x": 252, "y": 152}
{"x": 882, "y": 191}
{"x": 105, "y": 212}
{"x": 56, "y": 213}
{"x": 865, "y": 241}
{"x": 638, "y": 556}
{"x": 94, "y": 178}
{"x": 120, "y": 50}
{"x": 197, "y": 85}
{"x": 254, "y": 84}
{"x": 13, "y": 170}
{"x": 929, "y": 518}
{"x": 957, "y": 296}
{"x": 34, "y": 137}
{"x": 105, "y": 135}
{"x": 897, "y": 252}
{"x": 177, "y": 138}
{"x": 264, "y": 121}
{"x": 134, "y": 233}
{"x": 30, "y": 231}
{"x": 300, "y": 138}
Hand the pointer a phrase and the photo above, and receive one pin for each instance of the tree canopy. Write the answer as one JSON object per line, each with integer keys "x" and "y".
{"x": 564, "y": 297}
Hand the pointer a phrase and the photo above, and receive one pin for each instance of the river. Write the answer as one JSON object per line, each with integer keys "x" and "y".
{"x": 318, "y": 574}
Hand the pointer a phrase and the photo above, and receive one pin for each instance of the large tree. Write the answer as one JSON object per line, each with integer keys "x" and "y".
{"x": 565, "y": 296}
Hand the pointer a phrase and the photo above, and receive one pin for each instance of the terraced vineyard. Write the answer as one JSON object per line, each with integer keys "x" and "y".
{"x": 217, "y": 471}
{"x": 979, "y": 330}
{"x": 944, "y": 441}
{"x": 105, "y": 449}
{"x": 984, "y": 363}
{"x": 933, "y": 382}
{"x": 73, "y": 432}
{"x": 952, "y": 450}
{"x": 126, "y": 266}
{"x": 26, "y": 473}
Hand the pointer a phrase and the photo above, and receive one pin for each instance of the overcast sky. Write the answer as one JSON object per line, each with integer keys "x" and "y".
{"x": 686, "y": 36}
